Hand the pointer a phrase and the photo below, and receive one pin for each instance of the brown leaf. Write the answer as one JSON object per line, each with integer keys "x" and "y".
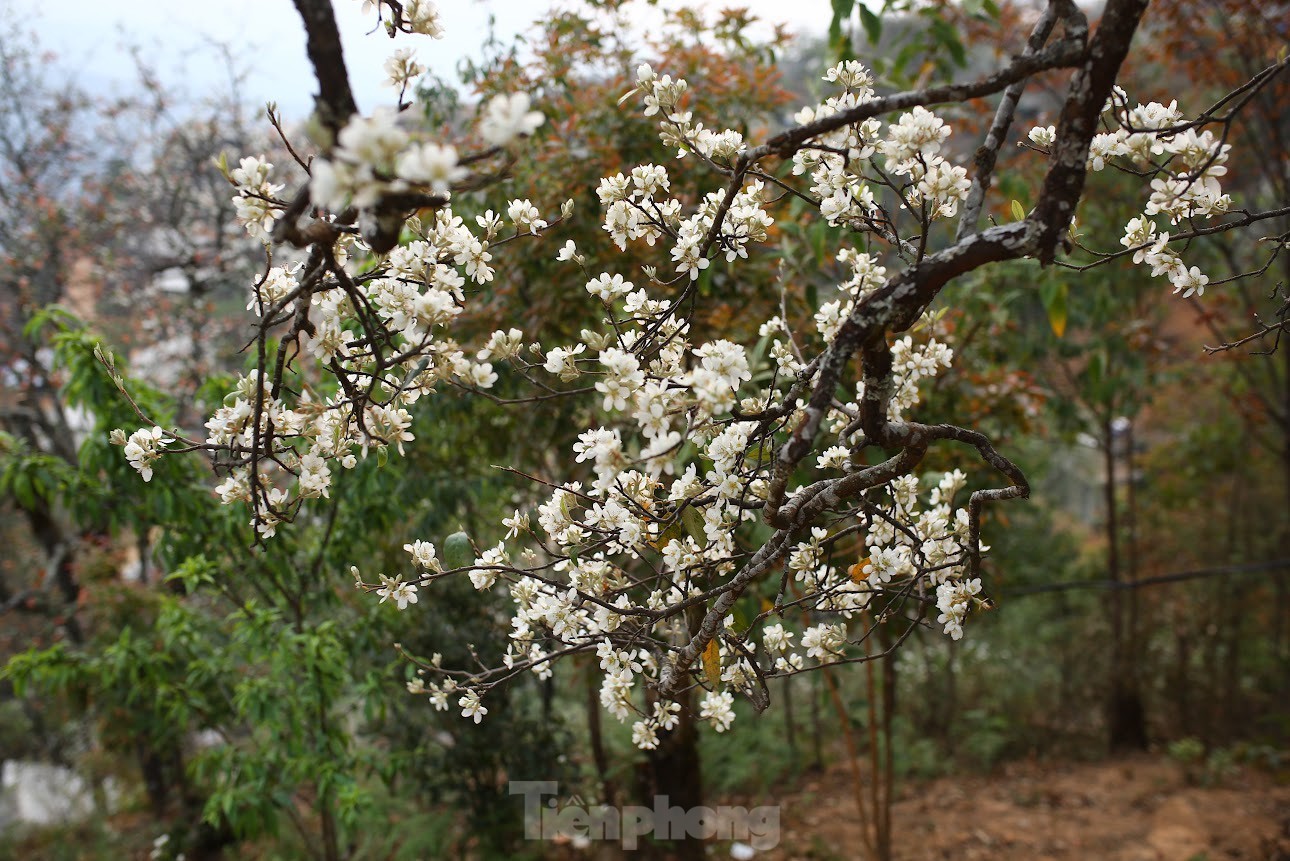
{"x": 712, "y": 662}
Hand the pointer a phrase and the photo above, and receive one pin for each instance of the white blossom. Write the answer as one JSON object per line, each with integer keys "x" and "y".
{"x": 508, "y": 117}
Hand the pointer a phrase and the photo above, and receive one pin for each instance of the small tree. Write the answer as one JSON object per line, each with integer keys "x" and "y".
{"x": 731, "y": 512}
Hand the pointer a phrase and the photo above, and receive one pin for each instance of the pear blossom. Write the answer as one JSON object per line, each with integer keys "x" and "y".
{"x": 144, "y": 447}
{"x": 508, "y": 117}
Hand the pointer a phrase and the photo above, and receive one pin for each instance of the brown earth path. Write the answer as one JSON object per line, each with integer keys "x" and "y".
{"x": 1138, "y": 809}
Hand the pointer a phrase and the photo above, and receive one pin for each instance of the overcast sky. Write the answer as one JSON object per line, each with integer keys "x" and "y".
{"x": 90, "y": 38}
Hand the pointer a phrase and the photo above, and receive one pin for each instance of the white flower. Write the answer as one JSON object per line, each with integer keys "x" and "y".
{"x": 600, "y": 445}
{"x": 1043, "y": 135}
{"x": 372, "y": 142}
{"x": 954, "y": 599}
{"x": 776, "y": 639}
{"x": 834, "y": 457}
{"x": 402, "y": 593}
{"x": 471, "y": 706}
{"x": 608, "y": 289}
{"x": 253, "y": 200}
{"x": 645, "y": 735}
{"x": 235, "y": 488}
{"x": 483, "y": 578}
{"x": 433, "y": 165}
{"x": 365, "y": 153}
{"x": 562, "y": 361}
{"x": 727, "y": 360}
{"x": 1138, "y": 233}
{"x": 278, "y": 284}
{"x": 423, "y": 17}
{"x": 438, "y": 698}
{"x": 1189, "y": 281}
{"x": 331, "y": 183}
{"x": 718, "y": 708}
{"x": 568, "y": 252}
{"x": 482, "y": 375}
{"x": 1155, "y": 115}
{"x": 525, "y": 216}
{"x": 623, "y": 378}
{"x": 852, "y": 75}
{"x": 502, "y": 345}
{"x": 517, "y": 523}
{"x": 315, "y": 476}
{"x": 667, "y": 716}
{"x": 401, "y": 67}
{"x": 919, "y": 132}
{"x": 143, "y": 447}
{"x": 508, "y": 117}
{"x": 943, "y": 186}
{"x": 423, "y": 554}
{"x": 824, "y": 642}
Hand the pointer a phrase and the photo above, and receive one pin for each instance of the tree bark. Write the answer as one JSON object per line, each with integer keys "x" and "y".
{"x": 1125, "y": 716}
{"x": 675, "y": 775}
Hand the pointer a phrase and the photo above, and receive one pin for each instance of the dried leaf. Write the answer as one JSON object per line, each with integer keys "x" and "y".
{"x": 712, "y": 662}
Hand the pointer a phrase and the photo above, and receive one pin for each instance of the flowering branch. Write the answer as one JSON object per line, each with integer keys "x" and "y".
{"x": 708, "y": 475}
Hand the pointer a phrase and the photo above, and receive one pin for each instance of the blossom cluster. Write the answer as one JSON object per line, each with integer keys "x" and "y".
{"x": 413, "y": 296}
{"x": 1185, "y": 167}
{"x": 415, "y": 16}
{"x": 143, "y": 448}
{"x": 840, "y": 169}
{"x": 376, "y": 156}
{"x": 608, "y": 560}
{"x": 256, "y": 199}
{"x": 676, "y": 464}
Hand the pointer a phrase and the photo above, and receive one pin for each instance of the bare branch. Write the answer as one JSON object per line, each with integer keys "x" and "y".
{"x": 334, "y": 103}
{"x": 988, "y": 153}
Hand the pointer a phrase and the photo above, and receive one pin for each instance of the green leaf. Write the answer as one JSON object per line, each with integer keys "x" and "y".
{"x": 872, "y": 24}
{"x": 23, "y": 490}
{"x": 693, "y": 521}
{"x": 458, "y": 552}
{"x": 839, "y": 43}
{"x": 1095, "y": 370}
{"x": 948, "y": 38}
{"x": 1054, "y": 295}
{"x": 1018, "y": 211}
{"x": 674, "y": 531}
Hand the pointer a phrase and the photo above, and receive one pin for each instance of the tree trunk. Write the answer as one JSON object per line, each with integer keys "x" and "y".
{"x": 790, "y": 724}
{"x": 817, "y": 744}
{"x": 609, "y": 794}
{"x": 886, "y": 773}
{"x": 1125, "y": 716}
{"x": 59, "y": 554}
{"x": 1281, "y": 639}
{"x": 1181, "y": 683}
{"x": 674, "y": 774}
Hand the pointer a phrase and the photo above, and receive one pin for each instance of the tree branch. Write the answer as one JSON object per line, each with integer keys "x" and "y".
{"x": 334, "y": 103}
{"x": 988, "y": 153}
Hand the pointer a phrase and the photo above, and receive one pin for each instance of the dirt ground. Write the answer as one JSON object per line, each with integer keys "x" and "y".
{"x": 1139, "y": 809}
